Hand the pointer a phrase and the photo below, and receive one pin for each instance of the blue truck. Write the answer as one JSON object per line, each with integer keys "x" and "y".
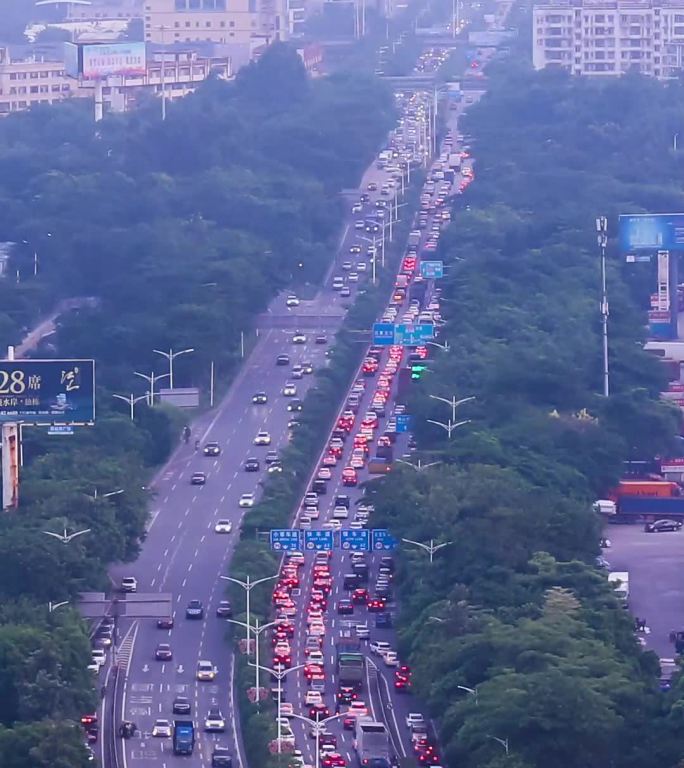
{"x": 183, "y": 737}
{"x": 641, "y": 509}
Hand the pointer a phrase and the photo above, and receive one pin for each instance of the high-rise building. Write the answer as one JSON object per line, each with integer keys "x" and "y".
{"x": 217, "y": 21}
{"x": 610, "y": 37}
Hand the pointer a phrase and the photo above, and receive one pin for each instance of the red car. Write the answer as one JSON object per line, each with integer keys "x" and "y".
{"x": 350, "y": 476}
{"x": 376, "y": 604}
{"x": 360, "y": 596}
{"x": 333, "y": 760}
{"x": 319, "y": 712}
{"x": 312, "y": 670}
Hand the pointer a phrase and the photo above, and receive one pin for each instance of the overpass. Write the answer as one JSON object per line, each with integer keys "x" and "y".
{"x": 301, "y": 322}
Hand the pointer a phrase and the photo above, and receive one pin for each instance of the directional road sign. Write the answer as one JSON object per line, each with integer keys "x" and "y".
{"x": 318, "y": 540}
{"x": 431, "y": 270}
{"x": 409, "y": 335}
{"x": 355, "y": 541}
{"x": 383, "y": 334}
{"x": 403, "y": 421}
{"x": 381, "y": 539}
{"x": 285, "y": 539}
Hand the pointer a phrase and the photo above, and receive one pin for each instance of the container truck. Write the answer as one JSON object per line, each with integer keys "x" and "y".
{"x": 372, "y": 745}
{"x": 414, "y": 237}
{"x": 183, "y": 737}
{"x": 661, "y": 488}
{"x": 641, "y": 509}
{"x": 454, "y": 161}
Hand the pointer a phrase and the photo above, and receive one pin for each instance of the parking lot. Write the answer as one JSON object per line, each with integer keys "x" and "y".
{"x": 655, "y": 562}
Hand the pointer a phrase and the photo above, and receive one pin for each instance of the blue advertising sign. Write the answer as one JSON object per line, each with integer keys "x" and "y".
{"x": 431, "y": 270}
{"x": 403, "y": 421}
{"x": 409, "y": 335}
{"x": 318, "y": 540}
{"x": 381, "y": 539}
{"x": 383, "y": 334}
{"x": 652, "y": 232}
{"x": 37, "y": 392}
{"x": 355, "y": 541}
{"x": 285, "y": 539}
{"x": 60, "y": 430}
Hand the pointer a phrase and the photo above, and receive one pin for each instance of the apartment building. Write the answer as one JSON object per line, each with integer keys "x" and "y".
{"x": 610, "y": 37}
{"x": 217, "y": 21}
{"x": 25, "y": 83}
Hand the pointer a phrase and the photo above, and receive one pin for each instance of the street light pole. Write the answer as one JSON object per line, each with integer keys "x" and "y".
{"x": 150, "y": 380}
{"x": 430, "y": 548}
{"x": 54, "y": 606}
{"x": 66, "y": 538}
{"x": 449, "y": 427}
{"x": 97, "y": 495}
{"x": 248, "y": 586}
{"x": 471, "y": 691}
{"x": 171, "y": 356}
{"x": 279, "y": 676}
{"x": 602, "y": 239}
{"x": 319, "y": 727}
{"x": 503, "y": 742}
{"x": 419, "y": 467}
{"x": 131, "y": 400}
{"x": 452, "y": 402}
{"x": 258, "y": 629}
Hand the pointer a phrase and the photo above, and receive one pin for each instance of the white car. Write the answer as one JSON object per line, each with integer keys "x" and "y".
{"x": 340, "y": 513}
{"x": 292, "y": 301}
{"x": 313, "y": 698}
{"x": 223, "y": 526}
{"x": 214, "y": 720}
{"x": 358, "y": 708}
{"x": 286, "y": 709}
{"x": 362, "y": 631}
{"x": 162, "y": 728}
{"x": 315, "y": 657}
{"x": 246, "y": 500}
{"x": 99, "y": 656}
{"x": 360, "y": 266}
{"x": 262, "y": 438}
{"x": 129, "y": 584}
{"x": 414, "y": 718}
{"x": 380, "y": 647}
{"x": 333, "y": 525}
{"x": 391, "y": 659}
{"x": 206, "y": 671}
{"x": 290, "y": 389}
{"x": 353, "y": 277}
{"x": 298, "y": 338}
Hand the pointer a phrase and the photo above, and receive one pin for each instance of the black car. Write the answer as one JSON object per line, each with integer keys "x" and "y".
{"x": 212, "y": 449}
{"x": 260, "y": 398}
{"x": 195, "y": 610}
{"x": 181, "y": 706}
{"x": 224, "y": 610}
{"x": 345, "y": 607}
{"x": 221, "y": 758}
{"x": 165, "y": 623}
{"x": 198, "y": 478}
{"x": 271, "y": 457}
{"x": 663, "y": 525}
{"x": 294, "y": 405}
{"x": 252, "y": 465}
{"x": 283, "y": 360}
{"x": 346, "y": 694}
{"x": 163, "y": 652}
{"x": 321, "y": 339}
{"x": 342, "y": 500}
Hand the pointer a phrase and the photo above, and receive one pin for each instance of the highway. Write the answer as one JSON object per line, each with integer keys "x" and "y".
{"x": 184, "y": 556}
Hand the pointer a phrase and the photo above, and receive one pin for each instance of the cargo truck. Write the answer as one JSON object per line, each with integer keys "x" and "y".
{"x": 183, "y": 737}
{"x": 372, "y": 745}
{"x": 661, "y": 488}
{"x": 350, "y": 663}
{"x": 414, "y": 237}
{"x": 454, "y": 161}
{"x": 641, "y": 509}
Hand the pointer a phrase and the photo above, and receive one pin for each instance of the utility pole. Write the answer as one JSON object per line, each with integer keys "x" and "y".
{"x": 602, "y": 239}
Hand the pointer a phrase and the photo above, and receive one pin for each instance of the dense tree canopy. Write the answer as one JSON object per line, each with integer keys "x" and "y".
{"x": 181, "y": 232}
{"x": 513, "y": 608}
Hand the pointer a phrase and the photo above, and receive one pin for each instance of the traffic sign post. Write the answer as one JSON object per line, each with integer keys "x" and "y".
{"x": 355, "y": 541}
{"x": 318, "y": 541}
{"x": 408, "y": 335}
{"x": 403, "y": 422}
{"x": 285, "y": 539}
{"x": 383, "y": 334}
{"x": 381, "y": 539}
{"x": 432, "y": 270}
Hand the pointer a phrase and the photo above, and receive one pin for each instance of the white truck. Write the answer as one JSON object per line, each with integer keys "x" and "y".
{"x": 372, "y": 744}
{"x": 619, "y": 580}
{"x": 454, "y": 161}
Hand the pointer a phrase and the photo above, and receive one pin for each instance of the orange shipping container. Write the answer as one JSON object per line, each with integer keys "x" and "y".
{"x": 647, "y": 488}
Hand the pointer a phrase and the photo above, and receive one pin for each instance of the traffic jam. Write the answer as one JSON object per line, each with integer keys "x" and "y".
{"x": 337, "y": 671}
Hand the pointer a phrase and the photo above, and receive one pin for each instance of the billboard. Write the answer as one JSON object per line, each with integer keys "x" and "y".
{"x": 652, "y": 232}
{"x": 46, "y": 392}
{"x": 96, "y": 61}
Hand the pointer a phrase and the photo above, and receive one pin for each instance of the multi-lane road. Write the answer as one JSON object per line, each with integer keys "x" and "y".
{"x": 184, "y": 556}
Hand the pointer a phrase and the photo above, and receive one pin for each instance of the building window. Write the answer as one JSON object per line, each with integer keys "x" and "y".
{"x": 187, "y": 24}
{"x": 55, "y": 89}
{"x": 13, "y": 75}
{"x": 34, "y": 75}
{"x": 222, "y": 24}
{"x": 208, "y": 5}
{"x": 232, "y": 23}
{"x": 220, "y": 5}
{"x": 194, "y": 5}
{"x": 44, "y": 75}
{"x": 207, "y": 24}
{"x": 43, "y": 89}
{"x": 181, "y": 5}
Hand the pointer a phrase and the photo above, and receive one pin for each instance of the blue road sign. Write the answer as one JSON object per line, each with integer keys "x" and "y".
{"x": 383, "y": 333}
{"x": 651, "y": 232}
{"x": 403, "y": 421}
{"x": 381, "y": 539}
{"x": 60, "y": 429}
{"x": 318, "y": 540}
{"x": 431, "y": 270}
{"x": 355, "y": 541}
{"x": 409, "y": 335}
{"x": 285, "y": 539}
